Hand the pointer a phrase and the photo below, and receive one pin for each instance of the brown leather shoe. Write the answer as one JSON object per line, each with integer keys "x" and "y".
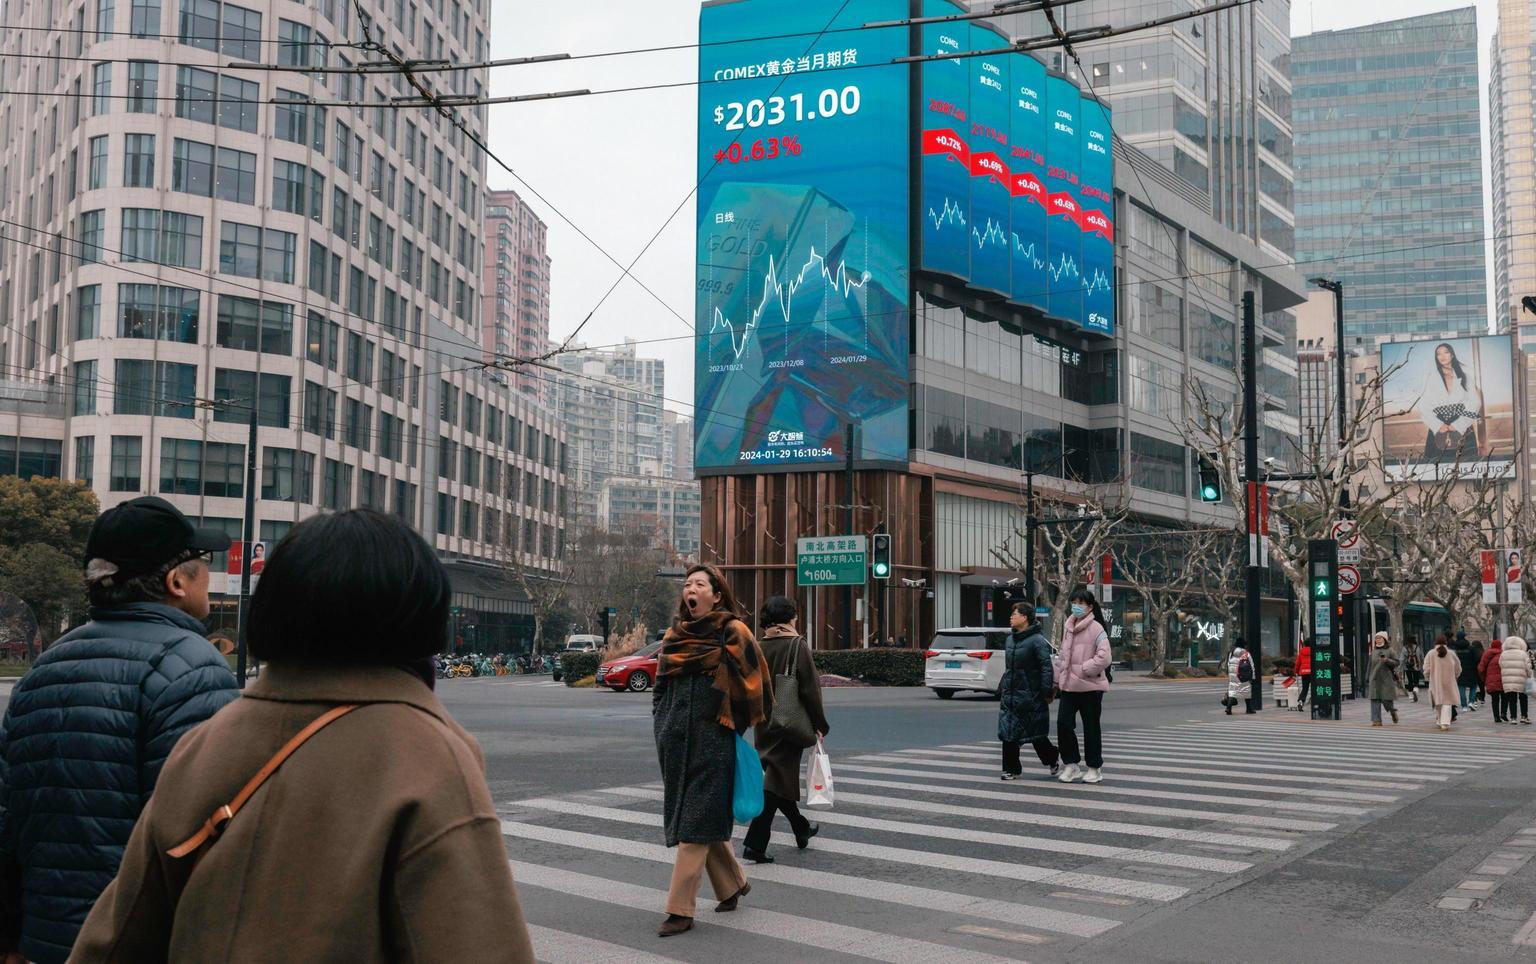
{"x": 674, "y": 925}
{"x": 729, "y": 904}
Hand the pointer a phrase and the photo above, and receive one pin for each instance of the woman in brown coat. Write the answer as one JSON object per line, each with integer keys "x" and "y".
{"x": 376, "y": 840}
{"x": 787, "y": 653}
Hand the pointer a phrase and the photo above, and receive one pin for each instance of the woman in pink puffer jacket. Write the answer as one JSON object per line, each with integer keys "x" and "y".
{"x": 1082, "y": 676}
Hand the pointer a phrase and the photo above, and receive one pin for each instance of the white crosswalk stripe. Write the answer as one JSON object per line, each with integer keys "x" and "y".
{"x": 952, "y": 864}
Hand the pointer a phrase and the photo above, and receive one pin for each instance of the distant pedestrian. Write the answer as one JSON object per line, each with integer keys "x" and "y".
{"x": 1493, "y": 680}
{"x": 1239, "y": 678}
{"x": 1477, "y": 661}
{"x": 1083, "y": 678}
{"x": 1441, "y": 670}
{"x": 1467, "y": 678}
{"x": 1413, "y": 665}
{"x": 712, "y": 684}
{"x": 378, "y": 829}
{"x": 1381, "y": 680}
{"x": 1024, "y": 699}
{"x": 1514, "y": 670}
{"x": 787, "y": 653}
{"x": 1304, "y": 672}
{"x": 88, "y": 730}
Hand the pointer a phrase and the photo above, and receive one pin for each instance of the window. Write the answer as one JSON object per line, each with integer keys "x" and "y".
{"x": 191, "y": 467}
{"x": 196, "y": 94}
{"x": 286, "y": 475}
{"x": 143, "y": 84}
{"x": 92, "y": 229}
{"x": 469, "y": 517}
{"x": 87, "y": 311}
{"x": 1158, "y": 465}
{"x": 319, "y": 410}
{"x": 447, "y": 456}
{"x": 445, "y": 517}
{"x": 85, "y": 460}
{"x": 238, "y": 103}
{"x": 139, "y": 160}
{"x": 162, "y": 237}
{"x": 142, "y": 387}
{"x": 101, "y": 89}
{"x": 127, "y": 464}
{"x": 144, "y": 18}
{"x": 293, "y": 44}
{"x": 96, "y": 170}
{"x": 85, "y": 388}
{"x": 235, "y": 176}
{"x": 250, "y": 325}
{"x": 337, "y": 486}
{"x": 157, "y": 311}
{"x": 239, "y": 249}
{"x": 470, "y": 474}
{"x": 192, "y": 168}
{"x": 279, "y": 249}
{"x": 405, "y": 500}
{"x": 269, "y": 393}
{"x": 299, "y": 122}
{"x": 104, "y": 18}
{"x": 226, "y": 28}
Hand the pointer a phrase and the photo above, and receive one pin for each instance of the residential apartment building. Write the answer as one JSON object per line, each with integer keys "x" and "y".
{"x": 515, "y": 292}
{"x": 1389, "y": 180}
{"x": 610, "y": 403}
{"x": 667, "y": 510}
{"x": 189, "y": 245}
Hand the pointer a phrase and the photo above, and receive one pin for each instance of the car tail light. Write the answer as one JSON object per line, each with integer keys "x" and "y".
{"x": 930, "y": 653}
{"x": 980, "y": 654}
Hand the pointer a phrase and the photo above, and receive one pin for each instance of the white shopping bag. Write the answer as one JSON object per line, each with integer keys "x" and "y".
{"x": 818, "y": 779}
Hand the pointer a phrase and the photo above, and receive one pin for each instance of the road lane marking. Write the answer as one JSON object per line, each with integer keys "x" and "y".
{"x": 1110, "y": 788}
{"x": 559, "y": 947}
{"x": 922, "y": 858}
{"x": 1119, "y": 777}
{"x": 1019, "y": 797}
{"x": 971, "y": 835}
{"x": 825, "y": 937}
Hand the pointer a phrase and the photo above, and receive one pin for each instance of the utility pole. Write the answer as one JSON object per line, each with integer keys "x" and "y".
{"x": 848, "y": 494}
{"x": 1252, "y": 625}
{"x": 246, "y": 545}
{"x": 1029, "y": 538}
{"x": 1346, "y": 628}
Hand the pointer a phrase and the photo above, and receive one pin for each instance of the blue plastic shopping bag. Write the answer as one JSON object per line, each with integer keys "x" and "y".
{"x": 747, "y": 798}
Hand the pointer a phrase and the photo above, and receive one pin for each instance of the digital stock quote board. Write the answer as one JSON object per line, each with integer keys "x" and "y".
{"x": 803, "y": 278}
{"x": 1016, "y": 178}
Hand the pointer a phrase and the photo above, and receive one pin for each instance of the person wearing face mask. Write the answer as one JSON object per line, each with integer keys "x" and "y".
{"x": 1081, "y": 670}
{"x": 1381, "y": 683}
{"x": 712, "y": 685}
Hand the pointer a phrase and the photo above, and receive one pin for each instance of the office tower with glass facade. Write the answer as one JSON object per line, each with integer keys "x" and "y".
{"x": 188, "y": 243}
{"x": 1389, "y": 180}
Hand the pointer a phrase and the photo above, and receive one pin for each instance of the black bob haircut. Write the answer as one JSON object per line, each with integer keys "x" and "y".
{"x": 776, "y": 611}
{"x": 350, "y": 587}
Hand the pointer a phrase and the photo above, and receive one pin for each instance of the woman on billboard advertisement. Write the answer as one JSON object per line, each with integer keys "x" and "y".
{"x": 1450, "y": 408}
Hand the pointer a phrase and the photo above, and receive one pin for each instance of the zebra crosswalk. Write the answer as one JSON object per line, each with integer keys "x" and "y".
{"x": 928, "y": 856}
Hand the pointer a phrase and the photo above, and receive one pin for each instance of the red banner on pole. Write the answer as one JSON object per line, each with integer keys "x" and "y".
{"x": 1489, "y": 561}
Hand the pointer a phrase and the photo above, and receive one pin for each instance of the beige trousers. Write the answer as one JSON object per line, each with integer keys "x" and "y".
{"x": 725, "y": 875}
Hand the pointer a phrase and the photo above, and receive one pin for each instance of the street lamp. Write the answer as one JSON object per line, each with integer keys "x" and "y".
{"x": 1337, "y": 287}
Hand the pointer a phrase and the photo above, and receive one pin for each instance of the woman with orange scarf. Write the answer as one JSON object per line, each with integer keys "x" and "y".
{"x": 711, "y": 685}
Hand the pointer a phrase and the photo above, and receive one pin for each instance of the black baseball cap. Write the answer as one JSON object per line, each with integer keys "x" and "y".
{"x": 143, "y": 534}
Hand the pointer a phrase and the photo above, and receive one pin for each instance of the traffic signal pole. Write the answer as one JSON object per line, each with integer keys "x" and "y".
{"x": 1252, "y": 625}
{"x": 848, "y": 494}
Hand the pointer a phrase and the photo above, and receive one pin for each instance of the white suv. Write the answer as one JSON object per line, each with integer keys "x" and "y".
{"x": 968, "y": 658}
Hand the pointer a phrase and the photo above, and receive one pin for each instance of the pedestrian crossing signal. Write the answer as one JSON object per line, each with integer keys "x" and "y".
{"x": 1322, "y": 588}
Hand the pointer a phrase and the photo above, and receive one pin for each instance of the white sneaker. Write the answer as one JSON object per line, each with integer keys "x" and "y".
{"x": 1093, "y": 776}
{"x": 1070, "y": 773}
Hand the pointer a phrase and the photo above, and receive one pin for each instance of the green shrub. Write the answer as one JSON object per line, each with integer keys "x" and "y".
{"x": 577, "y": 666}
{"x": 879, "y": 667}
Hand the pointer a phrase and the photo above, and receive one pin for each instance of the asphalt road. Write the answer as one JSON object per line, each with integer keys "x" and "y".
{"x": 1213, "y": 838}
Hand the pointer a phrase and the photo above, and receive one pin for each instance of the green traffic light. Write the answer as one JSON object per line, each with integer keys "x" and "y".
{"x": 1322, "y": 589}
{"x": 1209, "y": 493}
{"x": 881, "y": 569}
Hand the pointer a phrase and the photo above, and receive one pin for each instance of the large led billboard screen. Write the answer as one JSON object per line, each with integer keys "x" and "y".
{"x": 1034, "y": 220}
{"x": 803, "y": 281}
{"x": 1448, "y": 407}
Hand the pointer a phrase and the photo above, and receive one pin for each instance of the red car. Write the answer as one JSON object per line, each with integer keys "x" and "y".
{"x": 635, "y": 672}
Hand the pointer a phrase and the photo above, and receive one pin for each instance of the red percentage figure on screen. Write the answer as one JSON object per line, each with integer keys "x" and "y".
{"x": 791, "y": 145}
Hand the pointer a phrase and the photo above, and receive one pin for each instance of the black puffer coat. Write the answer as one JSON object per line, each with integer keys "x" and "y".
{"x": 1023, "y": 715}
{"x": 85, "y": 736}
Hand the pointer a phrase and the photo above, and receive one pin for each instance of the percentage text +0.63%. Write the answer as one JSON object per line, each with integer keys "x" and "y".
{"x": 759, "y": 150}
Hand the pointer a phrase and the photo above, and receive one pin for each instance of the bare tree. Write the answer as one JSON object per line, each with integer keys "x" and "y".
{"x": 1072, "y": 540}
{"x": 545, "y": 589}
{"x": 1161, "y": 567}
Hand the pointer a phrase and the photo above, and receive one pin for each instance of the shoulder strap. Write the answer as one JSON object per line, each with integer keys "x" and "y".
{"x": 214, "y": 825}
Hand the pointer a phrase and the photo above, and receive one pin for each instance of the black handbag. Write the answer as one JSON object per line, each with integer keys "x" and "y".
{"x": 790, "y": 723}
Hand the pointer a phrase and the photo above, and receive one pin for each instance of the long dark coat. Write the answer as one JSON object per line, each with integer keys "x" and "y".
{"x": 698, "y": 759}
{"x": 781, "y": 761}
{"x": 1381, "y": 683}
{"x": 1023, "y": 715}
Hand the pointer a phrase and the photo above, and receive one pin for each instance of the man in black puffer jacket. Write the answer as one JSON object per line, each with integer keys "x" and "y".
{"x": 87, "y": 730}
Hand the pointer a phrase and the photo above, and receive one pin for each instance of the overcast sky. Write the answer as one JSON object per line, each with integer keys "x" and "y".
{"x": 618, "y": 165}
